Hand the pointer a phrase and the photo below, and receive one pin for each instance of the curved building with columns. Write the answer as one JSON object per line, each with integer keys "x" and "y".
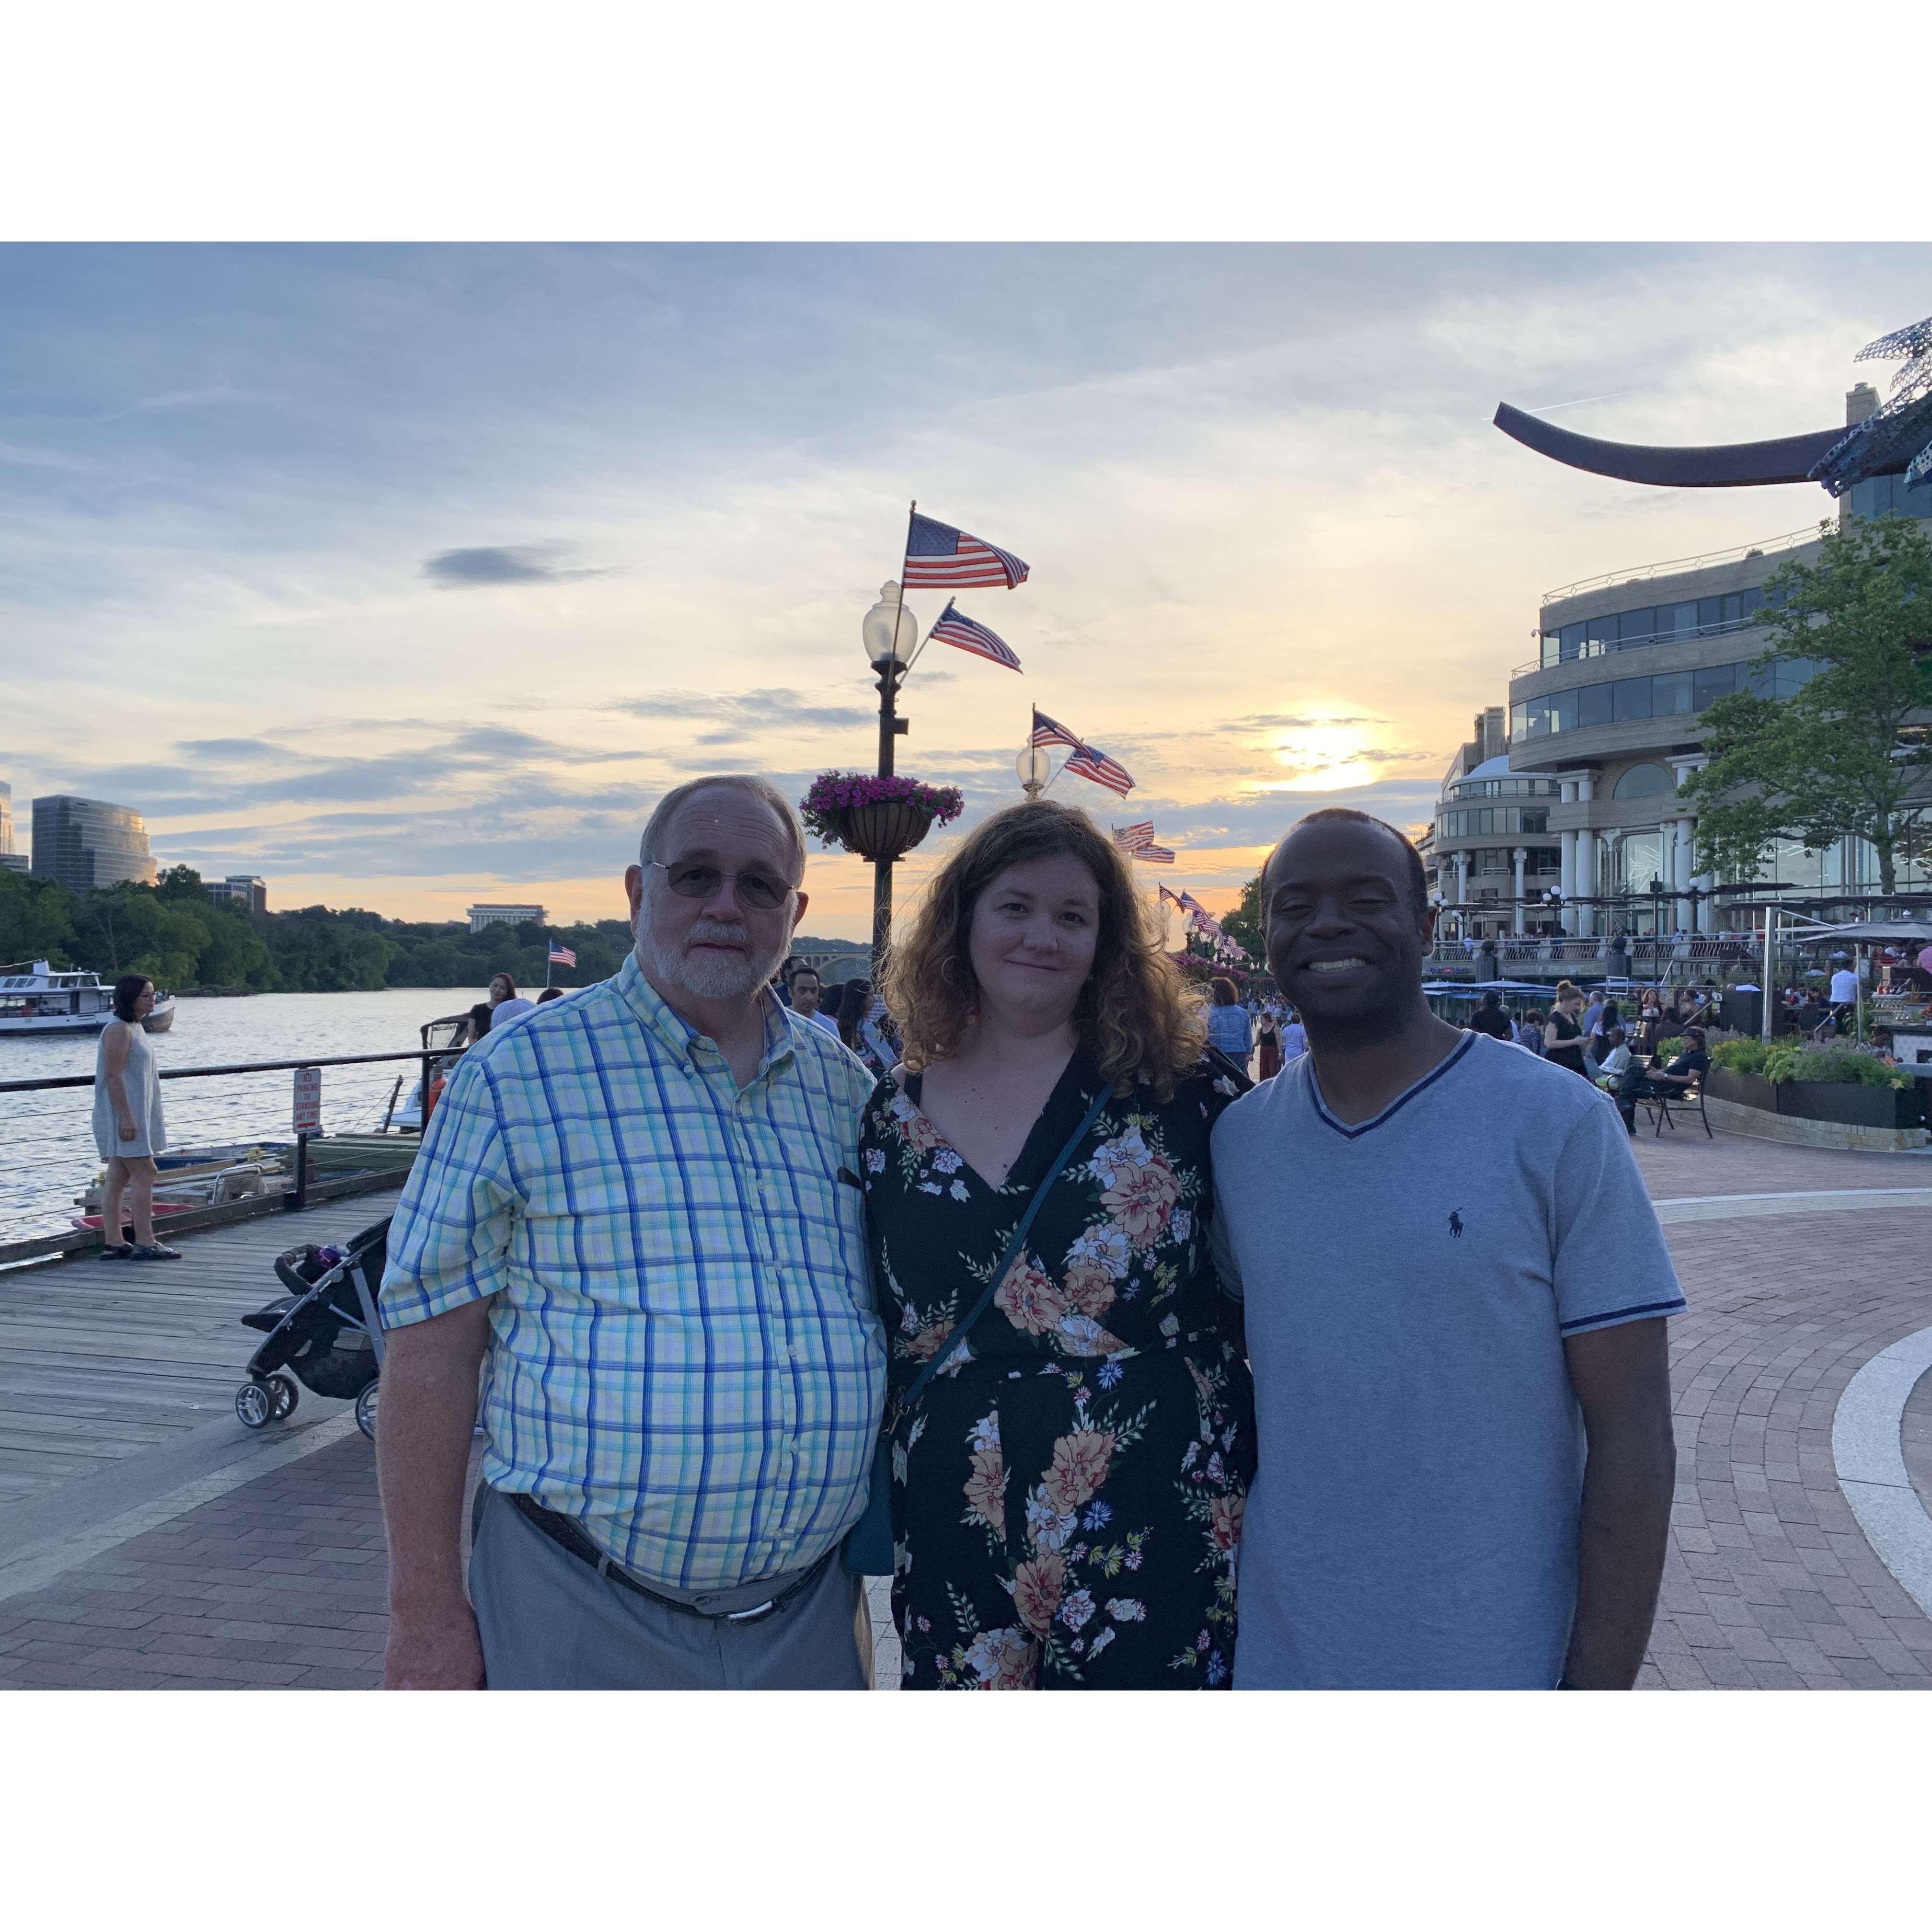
{"x": 1575, "y": 785}
{"x": 1609, "y": 712}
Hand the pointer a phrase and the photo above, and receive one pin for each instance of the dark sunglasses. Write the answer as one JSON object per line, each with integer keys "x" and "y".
{"x": 701, "y": 882}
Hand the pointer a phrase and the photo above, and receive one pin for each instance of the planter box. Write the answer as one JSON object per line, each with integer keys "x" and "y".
{"x": 1807, "y": 1100}
{"x": 887, "y": 831}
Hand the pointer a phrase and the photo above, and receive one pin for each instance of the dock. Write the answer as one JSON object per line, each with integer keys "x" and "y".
{"x": 102, "y": 1361}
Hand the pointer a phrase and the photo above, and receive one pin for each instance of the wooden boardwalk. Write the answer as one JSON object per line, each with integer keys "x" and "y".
{"x": 103, "y": 1360}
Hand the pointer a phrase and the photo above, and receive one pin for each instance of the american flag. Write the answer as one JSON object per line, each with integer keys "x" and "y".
{"x": 561, "y": 956}
{"x": 937, "y": 553}
{"x": 1090, "y": 762}
{"x": 956, "y": 628}
{"x": 1050, "y": 731}
{"x": 1137, "y": 841}
{"x": 1083, "y": 760}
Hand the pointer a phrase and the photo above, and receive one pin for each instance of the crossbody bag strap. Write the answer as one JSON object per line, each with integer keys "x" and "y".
{"x": 985, "y": 1301}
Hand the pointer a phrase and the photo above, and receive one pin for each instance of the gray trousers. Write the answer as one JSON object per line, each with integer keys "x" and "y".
{"x": 549, "y": 1622}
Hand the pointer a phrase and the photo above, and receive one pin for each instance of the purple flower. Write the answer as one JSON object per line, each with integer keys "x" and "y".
{"x": 834, "y": 792}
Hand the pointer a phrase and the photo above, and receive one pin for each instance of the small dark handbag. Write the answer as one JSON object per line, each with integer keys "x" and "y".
{"x": 867, "y": 1550}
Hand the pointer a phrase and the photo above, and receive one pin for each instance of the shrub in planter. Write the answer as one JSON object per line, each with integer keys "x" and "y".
{"x": 1832, "y": 1066}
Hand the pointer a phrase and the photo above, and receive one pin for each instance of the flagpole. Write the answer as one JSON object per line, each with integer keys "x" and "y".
{"x": 549, "y": 945}
{"x": 892, "y": 674}
{"x": 927, "y": 638}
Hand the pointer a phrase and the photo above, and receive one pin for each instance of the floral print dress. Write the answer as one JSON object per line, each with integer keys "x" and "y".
{"x": 1067, "y": 1493}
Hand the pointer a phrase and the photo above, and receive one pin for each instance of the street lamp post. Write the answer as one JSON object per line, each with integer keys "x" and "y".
{"x": 888, "y": 634}
{"x": 1033, "y": 767}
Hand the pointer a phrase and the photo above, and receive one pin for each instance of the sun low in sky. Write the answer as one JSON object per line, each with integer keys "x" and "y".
{"x": 405, "y": 576}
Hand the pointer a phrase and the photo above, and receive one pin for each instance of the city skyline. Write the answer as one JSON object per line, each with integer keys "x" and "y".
{"x": 408, "y": 578}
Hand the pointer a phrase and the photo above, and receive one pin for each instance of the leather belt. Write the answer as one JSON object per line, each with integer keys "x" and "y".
{"x": 562, "y": 1532}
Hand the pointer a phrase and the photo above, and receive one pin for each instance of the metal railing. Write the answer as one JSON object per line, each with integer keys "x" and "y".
{"x": 1595, "y": 648}
{"x": 1739, "y": 553}
{"x": 426, "y": 1060}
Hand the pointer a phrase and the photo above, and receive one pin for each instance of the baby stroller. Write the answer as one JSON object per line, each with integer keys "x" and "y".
{"x": 324, "y": 1329}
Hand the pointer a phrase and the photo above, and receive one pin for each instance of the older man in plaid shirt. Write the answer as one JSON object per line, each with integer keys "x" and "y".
{"x": 634, "y": 1210}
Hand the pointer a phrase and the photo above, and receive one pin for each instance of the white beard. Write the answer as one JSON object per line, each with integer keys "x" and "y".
{"x": 710, "y": 976}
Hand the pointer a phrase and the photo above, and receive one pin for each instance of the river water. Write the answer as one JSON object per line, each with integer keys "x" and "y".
{"x": 47, "y": 1153}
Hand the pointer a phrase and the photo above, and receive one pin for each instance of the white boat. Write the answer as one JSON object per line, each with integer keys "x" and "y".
{"x": 45, "y": 1001}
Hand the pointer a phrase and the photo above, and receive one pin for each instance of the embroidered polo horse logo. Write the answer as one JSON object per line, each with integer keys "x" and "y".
{"x": 1456, "y": 1227}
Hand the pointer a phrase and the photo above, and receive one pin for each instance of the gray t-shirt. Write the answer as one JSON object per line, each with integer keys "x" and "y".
{"x": 1409, "y": 1283}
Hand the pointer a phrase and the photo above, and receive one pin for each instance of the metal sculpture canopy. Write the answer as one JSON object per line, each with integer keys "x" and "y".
{"x": 1896, "y": 437}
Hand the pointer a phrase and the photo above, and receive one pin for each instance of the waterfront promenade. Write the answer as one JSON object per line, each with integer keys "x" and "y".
{"x": 147, "y": 1540}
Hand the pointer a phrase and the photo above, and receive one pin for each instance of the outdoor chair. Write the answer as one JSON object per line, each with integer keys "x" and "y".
{"x": 1666, "y": 1103}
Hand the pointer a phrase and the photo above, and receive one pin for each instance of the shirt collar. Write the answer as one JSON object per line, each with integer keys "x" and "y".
{"x": 680, "y": 1038}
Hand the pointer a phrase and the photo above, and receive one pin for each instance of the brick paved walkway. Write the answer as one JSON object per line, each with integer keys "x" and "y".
{"x": 1769, "y": 1582}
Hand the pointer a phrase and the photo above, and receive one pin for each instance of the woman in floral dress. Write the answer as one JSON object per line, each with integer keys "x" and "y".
{"x": 1068, "y": 1490}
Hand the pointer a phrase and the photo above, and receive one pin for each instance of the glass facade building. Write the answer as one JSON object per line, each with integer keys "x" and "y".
{"x": 86, "y": 842}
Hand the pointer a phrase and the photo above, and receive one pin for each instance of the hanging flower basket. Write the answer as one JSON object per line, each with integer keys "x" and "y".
{"x": 877, "y": 818}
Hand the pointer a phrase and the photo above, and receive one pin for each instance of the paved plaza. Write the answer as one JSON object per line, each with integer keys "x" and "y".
{"x": 194, "y": 1555}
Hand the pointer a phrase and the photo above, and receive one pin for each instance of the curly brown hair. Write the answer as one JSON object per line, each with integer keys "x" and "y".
{"x": 1136, "y": 1015}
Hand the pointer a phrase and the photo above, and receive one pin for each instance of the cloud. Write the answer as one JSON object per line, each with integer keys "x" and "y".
{"x": 230, "y": 750}
{"x": 501, "y": 563}
{"x": 737, "y": 713}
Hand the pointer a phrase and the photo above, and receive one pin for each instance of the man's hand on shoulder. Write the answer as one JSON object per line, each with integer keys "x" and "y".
{"x": 439, "y": 1651}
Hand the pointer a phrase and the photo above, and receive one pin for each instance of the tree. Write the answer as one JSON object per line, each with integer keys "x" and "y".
{"x": 1845, "y": 754}
{"x": 1243, "y": 925}
{"x": 36, "y": 920}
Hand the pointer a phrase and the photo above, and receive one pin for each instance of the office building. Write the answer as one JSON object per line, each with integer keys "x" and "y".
{"x": 242, "y": 890}
{"x": 86, "y": 842}
{"x": 11, "y": 861}
{"x": 1580, "y": 791}
{"x": 481, "y": 916}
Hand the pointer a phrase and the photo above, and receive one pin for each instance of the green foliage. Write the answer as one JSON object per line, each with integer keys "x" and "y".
{"x": 1847, "y": 754}
{"x": 1840, "y": 1065}
{"x": 1741, "y": 1056}
{"x": 36, "y": 921}
{"x": 172, "y": 932}
{"x": 1243, "y": 925}
{"x": 1667, "y": 1050}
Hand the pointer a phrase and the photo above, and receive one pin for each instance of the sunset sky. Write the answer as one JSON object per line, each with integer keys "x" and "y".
{"x": 406, "y": 576}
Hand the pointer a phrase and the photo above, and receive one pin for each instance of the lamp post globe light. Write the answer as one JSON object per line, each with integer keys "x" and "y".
{"x": 1034, "y": 767}
{"x": 888, "y": 634}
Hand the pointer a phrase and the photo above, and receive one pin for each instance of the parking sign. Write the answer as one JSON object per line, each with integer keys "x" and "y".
{"x": 308, "y": 1099}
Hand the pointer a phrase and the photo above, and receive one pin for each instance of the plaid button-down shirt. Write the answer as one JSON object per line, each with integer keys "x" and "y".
{"x": 684, "y": 1355}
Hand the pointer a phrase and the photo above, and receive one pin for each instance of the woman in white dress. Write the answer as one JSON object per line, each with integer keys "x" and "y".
{"x": 128, "y": 1130}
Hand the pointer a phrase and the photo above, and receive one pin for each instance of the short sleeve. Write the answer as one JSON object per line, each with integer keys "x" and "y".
{"x": 1221, "y": 1246}
{"x": 1611, "y": 1264}
{"x": 449, "y": 1242}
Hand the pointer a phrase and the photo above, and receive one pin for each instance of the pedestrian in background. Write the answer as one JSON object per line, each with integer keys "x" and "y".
{"x": 1268, "y": 1064}
{"x": 506, "y": 1002}
{"x": 1293, "y": 1039}
{"x": 128, "y": 1129}
{"x": 804, "y": 992}
{"x": 1562, "y": 1037}
{"x": 1229, "y": 1027}
{"x": 1490, "y": 1019}
{"x": 1529, "y": 1032}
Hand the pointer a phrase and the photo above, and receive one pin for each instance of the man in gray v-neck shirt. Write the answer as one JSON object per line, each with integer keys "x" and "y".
{"x": 1456, "y": 1291}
